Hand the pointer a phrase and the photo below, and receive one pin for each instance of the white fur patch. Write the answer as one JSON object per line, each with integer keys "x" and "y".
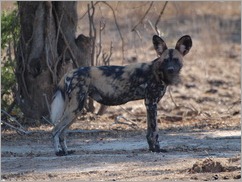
{"x": 160, "y": 49}
{"x": 57, "y": 107}
{"x": 182, "y": 48}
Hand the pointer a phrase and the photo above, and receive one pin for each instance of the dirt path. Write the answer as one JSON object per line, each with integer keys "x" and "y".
{"x": 122, "y": 155}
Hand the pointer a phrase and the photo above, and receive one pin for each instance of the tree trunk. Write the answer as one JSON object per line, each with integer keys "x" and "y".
{"x": 47, "y": 49}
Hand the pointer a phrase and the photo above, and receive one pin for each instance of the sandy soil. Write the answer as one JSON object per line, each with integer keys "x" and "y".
{"x": 116, "y": 152}
{"x": 199, "y": 121}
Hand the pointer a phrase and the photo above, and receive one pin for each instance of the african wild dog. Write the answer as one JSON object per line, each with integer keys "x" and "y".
{"x": 116, "y": 85}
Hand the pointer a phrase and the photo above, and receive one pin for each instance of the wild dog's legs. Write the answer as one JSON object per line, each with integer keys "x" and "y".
{"x": 59, "y": 133}
{"x": 62, "y": 136}
{"x": 152, "y": 128}
{"x": 75, "y": 104}
{"x": 154, "y": 92}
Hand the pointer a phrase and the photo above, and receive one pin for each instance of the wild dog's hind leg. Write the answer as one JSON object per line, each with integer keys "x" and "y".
{"x": 59, "y": 133}
{"x": 74, "y": 105}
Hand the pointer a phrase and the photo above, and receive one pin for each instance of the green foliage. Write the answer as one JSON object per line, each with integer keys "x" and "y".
{"x": 9, "y": 27}
{"x": 9, "y": 35}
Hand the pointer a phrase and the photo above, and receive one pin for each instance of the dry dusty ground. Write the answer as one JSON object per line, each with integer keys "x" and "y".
{"x": 199, "y": 125}
{"x": 116, "y": 152}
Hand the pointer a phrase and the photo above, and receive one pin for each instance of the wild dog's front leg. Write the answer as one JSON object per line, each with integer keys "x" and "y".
{"x": 152, "y": 128}
{"x": 154, "y": 92}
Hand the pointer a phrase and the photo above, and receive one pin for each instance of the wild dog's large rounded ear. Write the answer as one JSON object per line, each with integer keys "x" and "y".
{"x": 184, "y": 44}
{"x": 159, "y": 44}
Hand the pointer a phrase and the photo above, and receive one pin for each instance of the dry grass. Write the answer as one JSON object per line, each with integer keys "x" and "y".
{"x": 210, "y": 24}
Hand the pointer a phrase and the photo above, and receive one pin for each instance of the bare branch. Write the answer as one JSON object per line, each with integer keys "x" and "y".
{"x": 59, "y": 30}
{"x": 101, "y": 28}
{"x": 23, "y": 71}
{"x": 138, "y": 33}
{"x": 131, "y": 123}
{"x": 169, "y": 90}
{"x": 59, "y": 23}
{"x": 69, "y": 48}
{"x": 142, "y": 19}
{"x": 15, "y": 128}
{"x": 152, "y": 26}
{"x": 87, "y": 11}
{"x": 92, "y": 30}
{"x": 107, "y": 61}
{"x": 19, "y": 129}
{"x": 92, "y": 34}
{"x": 119, "y": 31}
{"x": 57, "y": 38}
{"x": 48, "y": 62}
{"x": 48, "y": 121}
{"x": 158, "y": 19}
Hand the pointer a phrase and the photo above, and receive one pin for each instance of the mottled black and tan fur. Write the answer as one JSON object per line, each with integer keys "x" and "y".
{"x": 116, "y": 85}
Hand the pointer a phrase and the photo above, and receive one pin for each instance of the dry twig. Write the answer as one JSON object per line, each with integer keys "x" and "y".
{"x": 169, "y": 90}
{"x": 119, "y": 31}
{"x": 23, "y": 70}
{"x": 69, "y": 48}
{"x": 92, "y": 30}
{"x": 20, "y": 128}
{"x": 87, "y": 11}
{"x": 159, "y": 17}
{"x": 49, "y": 122}
{"x": 142, "y": 19}
{"x": 131, "y": 124}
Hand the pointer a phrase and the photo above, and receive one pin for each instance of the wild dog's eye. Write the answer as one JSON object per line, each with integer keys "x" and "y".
{"x": 177, "y": 61}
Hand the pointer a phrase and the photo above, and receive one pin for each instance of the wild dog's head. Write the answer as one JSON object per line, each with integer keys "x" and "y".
{"x": 167, "y": 67}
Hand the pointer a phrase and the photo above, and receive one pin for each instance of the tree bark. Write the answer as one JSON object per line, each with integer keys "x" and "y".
{"x": 47, "y": 49}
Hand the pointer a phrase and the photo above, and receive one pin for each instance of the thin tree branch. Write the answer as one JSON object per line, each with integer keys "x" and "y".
{"x": 23, "y": 71}
{"x": 119, "y": 31}
{"x": 107, "y": 59}
{"x": 69, "y": 48}
{"x": 142, "y": 19}
{"x": 60, "y": 30}
{"x": 15, "y": 128}
{"x": 158, "y": 19}
{"x": 92, "y": 34}
{"x": 87, "y": 11}
{"x": 59, "y": 23}
{"x": 92, "y": 30}
{"x": 49, "y": 122}
{"x": 20, "y": 128}
{"x": 100, "y": 42}
{"x": 169, "y": 90}
{"x": 132, "y": 124}
{"x": 48, "y": 62}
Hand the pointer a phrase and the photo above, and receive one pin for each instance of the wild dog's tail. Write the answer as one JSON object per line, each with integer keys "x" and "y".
{"x": 58, "y": 103}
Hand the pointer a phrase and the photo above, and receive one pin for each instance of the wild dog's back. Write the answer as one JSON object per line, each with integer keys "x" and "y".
{"x": 115, "y": 85}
